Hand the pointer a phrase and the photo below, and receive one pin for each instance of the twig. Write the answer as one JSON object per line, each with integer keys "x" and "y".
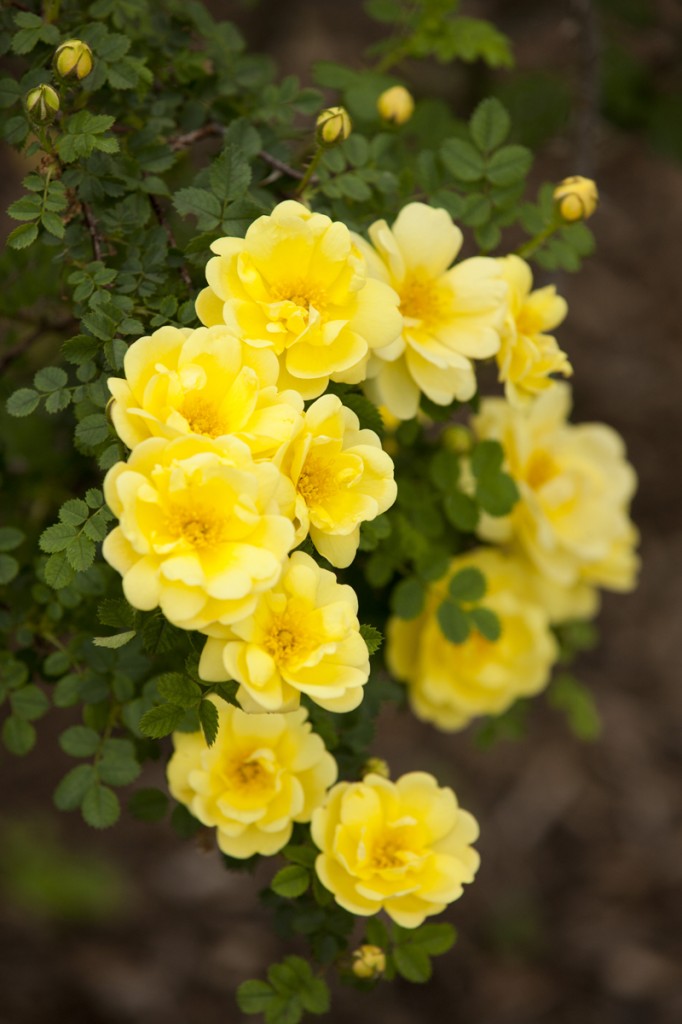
{"x": 189, "y": 138}
{"x": 159, "y": 214}
{"x": 92, "y": 229}
{"x": 279, "y": 165}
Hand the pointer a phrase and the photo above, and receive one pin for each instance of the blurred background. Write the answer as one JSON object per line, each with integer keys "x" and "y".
{"x": 576, "y": 914}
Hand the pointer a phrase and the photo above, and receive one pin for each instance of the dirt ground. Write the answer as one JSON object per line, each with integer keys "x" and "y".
{"x": 576, "y": 914}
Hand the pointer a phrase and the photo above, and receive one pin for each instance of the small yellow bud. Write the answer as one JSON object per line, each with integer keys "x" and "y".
{"x": 333, "y": 125}
{"x": 576, "y": 198}
{"x": 396, "y": 105}
{"x": 376, "y": 766}
{"x": 73, "y": 59}
{"x": 42, "y": 104}
{"x": 369, "y": 962}
{"x": 457, "y": 439}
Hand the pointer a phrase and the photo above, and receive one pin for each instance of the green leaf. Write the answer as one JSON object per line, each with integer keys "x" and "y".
{"x": 433, "y": 939}
{"x": 199, "y": 203}
{"x": 178, "y": 689}
{"x": 444, "y": 470}
{"x": 230, "y": 174}
{"x": 93, "y": 429}
{"x": 453, "y": 622}
{"x": 497, "y": 495}
{"x": 467, "y": 585}
{"x": 315, "y": 996}
{"x": 115, "y": 641}
{"x": 18, "y": 735}
{"x": 372, "y": 637}
{"x": 366, "y": 412}
{"x": 70, "y": 792}
{"x": 10, "y": 538}
{"x": 9, "y": 567}
{"x": 161, "y": 721}
{"x": 26, "y": 208}
{"x": 100, "y": 807}
{"x": 208, "y": 719}
{"x": 486, "y": 622}
{"x": 407, "y": 599}
{"x": 412, "y": 963}
{"x": 462, "y": 511}
{"x": 305, "y": 855}
{"x": 116, "y": 612}
{"x": 487, "y": 458}
{"x": 58, "y": 571}
{"x": 255, "y": 996}
{"x": 291, "y": 881}
{"x": 462, "y": 160}
{"x": 509, "y": 164}
{"x": 80, "y": 552}
{"x": 57, "y": 537}
{"x": 50, "y": 378}
{"x": 79, "y": 741}
{"x": 23, "y": 402}
{"x": 74, "y": 512}
{"x": 572, "y": 697}
{"x": 81, "y": 134}
{"x": 118, "y": 765}
{"x": 148, "y": 805}
{"x": 489, "y": 125}
{"x": 29, "y": 702}
{"x": 57, "y": 401}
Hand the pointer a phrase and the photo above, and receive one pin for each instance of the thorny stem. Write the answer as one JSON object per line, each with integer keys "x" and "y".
{"x": 307, "y": 177}
{"x": 92, "y": 230}
{"x": 159, "y": 214}
{"x": 187, "y": 140}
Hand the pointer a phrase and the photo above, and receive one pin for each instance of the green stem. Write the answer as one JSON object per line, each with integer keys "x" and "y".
{"x": 310, "y": 170}
{"x": 529, "y": 247}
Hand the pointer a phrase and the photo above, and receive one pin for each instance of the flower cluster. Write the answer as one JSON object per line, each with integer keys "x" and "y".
{"x": 240, "y": 453}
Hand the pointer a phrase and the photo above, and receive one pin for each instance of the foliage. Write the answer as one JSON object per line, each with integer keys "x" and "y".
{"x": 180, "y": 136}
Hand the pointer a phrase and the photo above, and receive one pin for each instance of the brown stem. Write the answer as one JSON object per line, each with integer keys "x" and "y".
{"x": 279, "y": 165}
{"x": 189, "y": 138}
{"x": 92, "y": 230}
{"x": 159, "y": 214}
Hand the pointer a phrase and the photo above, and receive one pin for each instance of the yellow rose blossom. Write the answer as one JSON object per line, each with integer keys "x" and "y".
{"x": 303, "y": 637}
{"x": 576, "y": 198}
{"x": 333, "y": 125}
{"x": 204, "y": 381}
{"x": 449, "y": 684}
{"x": 528, "y": 354}
{"x": 342, "y": 478}
{"x": 298, "y": 285}
{"x": 262, "y": 774}
{"x": 451, "y": 314}
{"x": 202, "y": 528}
{"x": 368, "y": 961}
{"x": 575, "y": 485}
{"x": 403, "y": 847}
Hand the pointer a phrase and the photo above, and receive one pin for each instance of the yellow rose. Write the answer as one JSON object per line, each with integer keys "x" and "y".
{"x": 342, "y": 478}
{"x": 368, "y": 961}
{"x": 262, "y": 774}
{"x": 296, "y": 284}
{"x": 396, "y": 105}
{"x": 202, "y": 528}
{"x": 73, "y": 59}
{"x": 575, "y": 487}
{"x": 528, "y": 355}
{"x": 449, "y": 684}
{"x": 451, "y": 316}
{"x": 303, "y": 637}
{"x": 403, "y": 847}
{"x": 204, "y": 381}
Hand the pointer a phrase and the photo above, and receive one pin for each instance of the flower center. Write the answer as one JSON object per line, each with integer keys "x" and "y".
{"x": 529, "y": 322}
{"x": 287, "y": 638}
{"x": 540, "y": 469}
{"x": 316, "y": 482}
{"x": 421, "y": 298}
{"x": 300, "y": 293}
{"x": 387, "y": 854}
{"x": 202, "y": 416}
{"x": 252, "y": 773}
{"x": 200, "y": 527}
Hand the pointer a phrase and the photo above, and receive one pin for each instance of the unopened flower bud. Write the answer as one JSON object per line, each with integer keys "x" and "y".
{"x": 376, "y": 766}
{"x": 333, "y": 125}
{"x": 73, "y": 59}
{"x": 369, "y": 962}
{"x": 457, "y": 439}
{"x": 576, "y": 198}
{"x": 396, "y": 105}
{"x": 42, "y": 104}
